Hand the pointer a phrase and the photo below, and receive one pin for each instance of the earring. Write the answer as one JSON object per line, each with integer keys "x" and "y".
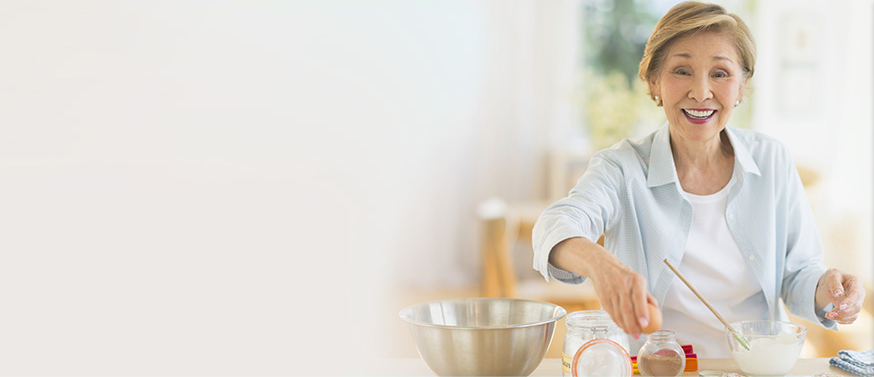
{"x": 736, "y": 103}
{"x": 658, "y": 101}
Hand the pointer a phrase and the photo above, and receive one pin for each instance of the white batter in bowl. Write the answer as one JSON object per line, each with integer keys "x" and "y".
{"x": 774, "y": 346}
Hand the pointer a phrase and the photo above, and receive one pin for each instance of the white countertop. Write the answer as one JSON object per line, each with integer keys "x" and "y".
{"x": 552, "y": 367}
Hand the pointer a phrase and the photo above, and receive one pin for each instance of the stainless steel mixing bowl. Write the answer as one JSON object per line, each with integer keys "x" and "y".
{"x": 482, "y": 336}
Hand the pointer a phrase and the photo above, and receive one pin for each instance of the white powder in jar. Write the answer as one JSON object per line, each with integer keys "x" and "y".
{"x": 601, "y": 362}
{"x": 769, "y": 356}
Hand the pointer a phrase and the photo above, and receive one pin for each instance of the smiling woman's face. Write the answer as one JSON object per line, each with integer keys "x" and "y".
{"x": 700, "y": 81}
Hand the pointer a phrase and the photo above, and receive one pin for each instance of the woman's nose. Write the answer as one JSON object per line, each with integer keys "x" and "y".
{"x": 700, "y": 90}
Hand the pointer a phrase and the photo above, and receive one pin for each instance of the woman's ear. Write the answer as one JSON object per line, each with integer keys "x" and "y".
{"x": 654, "y": 90}
{"x": 742, "y": 89}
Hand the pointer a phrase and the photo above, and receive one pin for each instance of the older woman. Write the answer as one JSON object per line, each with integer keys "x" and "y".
{"x": 725, "y": 205}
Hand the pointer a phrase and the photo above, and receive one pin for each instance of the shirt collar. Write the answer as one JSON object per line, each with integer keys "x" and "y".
{"x": 661, "y": 161}
{"x": 742, "y": 155}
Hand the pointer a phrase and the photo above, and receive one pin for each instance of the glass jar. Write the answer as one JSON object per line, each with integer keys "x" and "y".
{"x": 584, "y": 326}
{"x": 661, "y": 355}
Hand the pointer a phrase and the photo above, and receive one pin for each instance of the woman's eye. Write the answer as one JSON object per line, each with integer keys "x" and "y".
{"x": 681, "y": 72}
{"x": 720, "y": 74}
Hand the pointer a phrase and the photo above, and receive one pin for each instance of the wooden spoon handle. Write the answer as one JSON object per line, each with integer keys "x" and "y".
{"x": 679, "y": 275}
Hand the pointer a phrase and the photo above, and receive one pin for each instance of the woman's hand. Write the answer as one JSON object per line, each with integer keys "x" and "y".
{"x": 623, "y": 293}
{"x": 844, "y": 291}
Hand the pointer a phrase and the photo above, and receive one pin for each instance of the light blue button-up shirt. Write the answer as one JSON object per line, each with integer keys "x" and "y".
{"x": 631, "y": 194}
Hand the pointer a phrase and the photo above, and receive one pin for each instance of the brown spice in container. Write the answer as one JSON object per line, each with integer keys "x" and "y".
{"x": 662, "y": 363}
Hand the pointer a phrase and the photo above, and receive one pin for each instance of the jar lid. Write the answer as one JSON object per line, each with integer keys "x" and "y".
{"x": 590, "y": 319}
{"x": 601, "y": 357}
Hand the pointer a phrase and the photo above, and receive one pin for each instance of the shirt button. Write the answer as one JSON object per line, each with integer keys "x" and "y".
{"x": 752, "y": 257}
{"x": 731, "y": 216}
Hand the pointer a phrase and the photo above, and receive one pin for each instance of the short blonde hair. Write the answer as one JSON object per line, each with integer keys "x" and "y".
{"x": 693, "y": 17}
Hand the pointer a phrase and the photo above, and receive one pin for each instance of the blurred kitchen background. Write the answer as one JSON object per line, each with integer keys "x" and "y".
{"x": 258, "y": 187}
{"x": 548, "y": 83}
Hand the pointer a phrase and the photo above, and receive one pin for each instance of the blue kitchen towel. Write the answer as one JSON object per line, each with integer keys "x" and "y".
{"x": 858, "y": 362}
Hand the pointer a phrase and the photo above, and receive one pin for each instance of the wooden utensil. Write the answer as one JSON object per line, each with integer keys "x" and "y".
{"x": 740, "y": 338}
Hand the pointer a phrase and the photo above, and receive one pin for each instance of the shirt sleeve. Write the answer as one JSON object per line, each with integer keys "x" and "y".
{"x": 587, "y": 210}
{"x": 803, "y": 261}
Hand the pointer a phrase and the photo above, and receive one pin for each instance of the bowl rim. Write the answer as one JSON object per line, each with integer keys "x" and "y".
{"x": 557, "y": 316}
{"x": 803, "y": 328}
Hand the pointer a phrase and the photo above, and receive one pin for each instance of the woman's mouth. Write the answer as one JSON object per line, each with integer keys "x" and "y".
{"x": 698, "y": 116}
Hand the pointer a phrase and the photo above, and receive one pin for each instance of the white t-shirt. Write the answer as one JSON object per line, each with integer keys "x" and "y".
{"x": 715, "y": 266}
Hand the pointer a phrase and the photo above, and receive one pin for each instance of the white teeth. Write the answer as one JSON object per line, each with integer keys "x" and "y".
{"x": 699, "y": 114}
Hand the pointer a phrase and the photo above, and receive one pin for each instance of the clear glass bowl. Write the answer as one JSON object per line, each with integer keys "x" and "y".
{"x": 774, "y": 346}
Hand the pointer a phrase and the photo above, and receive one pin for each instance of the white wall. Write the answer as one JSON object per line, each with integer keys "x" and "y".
{"x": 813, "y": 90}
{"x": 518, "y": 83}
{"x": 175, "y": 176}
{"x": 207, "y": 188}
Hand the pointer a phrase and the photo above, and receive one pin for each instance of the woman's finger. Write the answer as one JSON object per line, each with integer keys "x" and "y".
{"x": 847, "y": 320}
{"x": 607, "y": 297}
{"x": 639, "y": 300}
{"x": 834, "y": 283}
{"x": 626, "y": 308}
{"x": 854, "y": 293}
{"x": 837, "y": 315}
